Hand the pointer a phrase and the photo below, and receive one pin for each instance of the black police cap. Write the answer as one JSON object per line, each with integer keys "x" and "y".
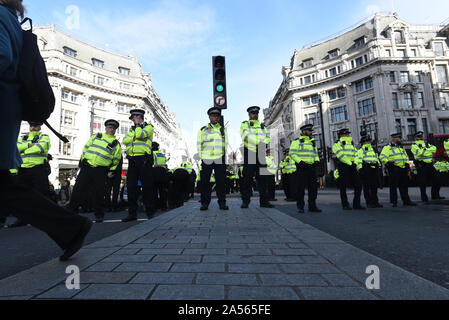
{"x": 136, "y": 112}
{"x": 253, "y": 109}
{"x": 214, "y": 110}
{"x": 112, "y": 122}
{"x": 307, "y": 127}
{"x": 344, "y": 131}
{"x": 396, "y": 135}
{"x": 419, "y": 134}
{"x": 365, "y": 139}
{"x": 35, "y": 123}
{"x": 155, "y": 145}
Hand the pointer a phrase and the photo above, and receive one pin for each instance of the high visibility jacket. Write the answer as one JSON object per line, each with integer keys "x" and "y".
{"x": 446, "y": 146}
{"x": 139, "y": 140}
{"x": 423, "y": 151}
{"x": 102, "y": 150}
{"x": 304, "y": 150}
{"x": 14, "y": 171}
{"x": 288, "y": 165}
{"x": 198, "y": 177}
{"x": 271, "y": 165}
{"x": 253, "y": 134}
{"x": 345, "y": 151}
{"x": 441, "y": 166}
{"x": 367, "y": 155}
{"x": 188, "y": 166}
{"x": 336, "y": 174}
{"x": 159, "y": 159}
{"x": 395, "y": 155}
{"x": 34, "y": 149}
{"x": 210, "y": 142}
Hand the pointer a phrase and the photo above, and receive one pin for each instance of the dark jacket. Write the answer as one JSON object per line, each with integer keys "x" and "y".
{"x": 10, "y": 105}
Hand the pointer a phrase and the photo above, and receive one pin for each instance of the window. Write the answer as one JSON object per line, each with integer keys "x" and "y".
{"x": 444, "y": 125}
{"x": 441, "y": 74}
{"x": 413, "y": 52}
{"x": 401, "y": 53}
{"x": 332, "y": 94}
{"x": 339, "y": 114}
{"x": 395, "y": 101}
{"x": 69, "y": 52}
{"x": 333, "y": 53}
{"x": 438, "y": 48}
{"x": 367, "y": 107}
{"x": 98, "y": 124}
{"x": 73, "y": 71}
{"x": 398, "y": 37}
{"x": 333, "y": 71}
{"x": 418, "y": 77}
{"x": 359, "y": 42}
{"x": 315, "y": 99}
{"x": 398, "y": 126}
{"x": 68, "y": 118}
{"x": 66, "y": 149}
{"x": 405, "y": 77}
{"x": 388, "y": 53}
{"x": 313, "y": 118}
{"x": 124, "y": 71}
{"x": 420, "y": 100}
{"x": 306, "y": 101}
{"x": 352, "y": 64}
{"x": 425, "y": 128}
{"x": 65, "y": 95}
{"x": 444, "y": 100}
{"x": 318, "y": 139}
{"x": 408, "y": 100}
{"x": 335, "y": 136}
{"x": 393, "y": 77}
{"x": 359, "y": 61}
{"x": 100, "y": 81}
{"x": 337, "y": 93}
{"x": 370, "y": 129}
{"x": 307, "y": 80}
{"x": 359, "y": 86}
{"x": 307, "y": 63}
{"x": 73, "y": 97}
{"x": 98, "y": 63}
{"x": 368, "y": 83}
{"x": 124, "y": 128}
{"x": 125, "y": 86}
{"x": 411, "y": 125}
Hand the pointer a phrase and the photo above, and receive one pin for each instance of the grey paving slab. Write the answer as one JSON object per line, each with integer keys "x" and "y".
{"x": 312, "y": 280}
{"x": 128, "y": 258}
{"x": 104, "y": 266}
{"x": 160, "y": 251}
{"x": 250, "y": 252}
{"x": 61, "y": 292}
{"x": 309, "y": 268}
{"x": 185, "y": 246}
{"x": 293, "y": 252}
{"x": 341, "y": 280}
{"x": 277, "y": 259}
{"x": 116, "y": 292}
{"x": 254, "y": 268}
{"x": 144, "y": 246}
{"x": 198, "y": 267}
{"x": 106, "y": 277}
{"x": 221, "y": 245}
{"x": 16, "y": 298}
{"x": 189, "y": 292}
{"x": 262, "y": 293}
{"x": 314, "y": 259}
{"x": 227, "y": 259}
{"x": 333, "y": 293}
{"x": 143, "y": 267}
{"x": 205, "y": 251}
{"x": 227, "y": 279}
{"x": 177, "y": 258}
{"x": 163, "y": 278}
{"x": 297, "y": 245}
{"x": 128, "y": 251}
{"x": 267, "y": 246}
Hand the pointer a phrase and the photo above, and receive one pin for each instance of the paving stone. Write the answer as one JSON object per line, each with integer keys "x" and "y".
{"x": 116, "y": 292}
{"x": 104, "y": 266}
{"x": 292, "y": 252}
{"x": 144, "y": 246}
{"x": 333, "y": 293}
{"x": 297, "y": 245}
{"x": 128, "y": 258}
{"x": 341, "y": 280}
{"x": 227, "y": 279}
{"x": 61, "y": 292}
{"x": 163, "y": 278}
{"x": 128, "y": 251}
{"x": 177, "y": 258}
{"x": 262, "y": 293}
{"x": 277, "y": 259}
{"x": 198, "y": 267}
{"x": 106, "y": 277}
{"x": 185, "y": 246}
{"x": 189, "y": 292}
{"x": 267, "y": 246}
{"x": 143, "y": 267}
{"x": 227, "y": 259}
{"x": 293, "y": 280}
{"x": 309, "y": 268}
{"x": 254, "y": 268}
{"x": 250, "y": 252}
{"x": 205, "y": 251}
{"x": 160, "y": 251}
{"x": 314, "y": 259}
{"x": 220, "y": 245}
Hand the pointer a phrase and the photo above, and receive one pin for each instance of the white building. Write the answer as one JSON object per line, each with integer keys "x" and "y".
{"x": 92, "y": 85}
{"x": 383, "y": 76}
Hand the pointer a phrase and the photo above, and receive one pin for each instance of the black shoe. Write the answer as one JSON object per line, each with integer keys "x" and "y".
{"x": 315, "y": 209}
{"x": 150, "y": 214}
{"x": 99, "y": 220}
{"x": 371, "y": 206}
{"x": 301, "y": 210}
{"x": 273, "y": 200}
{"x": 395, "y": 205}
{"x": 290, "y": 200}
{"x": 410, "y": 204}
{"x": 378, "y": 205}
{"x": 17, "y": 224}
{"x": 130, "y": 217}
{"x": 204, "y": 207}
{"x": 224, "y": 207}
{"x": 77, "y": 243}
{"x": 347, "y": 207}
{"x": 244, "y": 205}
{"x": 359, "y": 208}
{"x": 267, "y": 205}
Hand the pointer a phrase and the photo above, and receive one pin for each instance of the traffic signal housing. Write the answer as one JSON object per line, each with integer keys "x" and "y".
{"x": 219, "y": 81}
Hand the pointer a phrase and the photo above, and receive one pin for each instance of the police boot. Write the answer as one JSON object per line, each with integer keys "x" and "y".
{"x": 245, "y": 205}
{"x": 204, "y": 207}
{"x": 17, "y": 224}
{"x": 314, "y": 208}
{"x": 347, "y": 207}
{"x": 409, "y": 203}
{"x": 301, "y": 210}
{"x": 132, "y": 216}
{"x": 267, "y": 205}
{"x": 223, "y": 207}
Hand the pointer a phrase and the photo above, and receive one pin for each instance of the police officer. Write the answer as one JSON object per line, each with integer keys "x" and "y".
{"x": 288, "y": 177}
{"x": 100, "y": 158}
{"x": 138, "y": 144}
{"x": 442, "y": 168}
{"x": 271, "y": 176}
{"x": 178, "y": 187}
{"x": 211, "y": 143}
{"x": 345, "y": 153}
{"x": 160, "y": 175}
{"x": 368, "y": 165}
{"x": 305, "y": 154}
{"x": 423, "y": 153}
{"x": 113, "y": 188}
{"x": 255, "y": 138}
{"x": 396, "y": 160}
{"x": 33, "y": 149}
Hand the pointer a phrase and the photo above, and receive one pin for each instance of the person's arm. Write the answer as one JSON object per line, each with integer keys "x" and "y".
{"x": 22, "y": 145}
{"x": 116, "y": 158}
{"x": 6, "y": 52}
{"x": 383, "y": 157}
{"x": 41, "y": 147}
{"x": 88, "y": 144}
{"x": 294, "y": 151}
{"x": 359, "y": 159}
{"x": 244, "y": 131}
{"x": 130, "y": 137}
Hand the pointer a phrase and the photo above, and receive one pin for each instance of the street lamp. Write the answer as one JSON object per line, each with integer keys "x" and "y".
{"x": 323, "y": 145}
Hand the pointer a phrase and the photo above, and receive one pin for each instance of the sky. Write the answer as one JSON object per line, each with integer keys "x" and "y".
{"x": 174, "y": 40}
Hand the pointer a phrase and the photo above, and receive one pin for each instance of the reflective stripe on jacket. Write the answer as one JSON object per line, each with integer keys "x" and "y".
{"x": 345, "y": 151}
{"x": 366, "y": 154}
{"x": 304, "y": 150}
{"x": 139, "y": 140}
{"x": 253, "y": 135}
{"x": 102, "y": 151}
{"x": 34, "y": 153}
{"x": 423, "y": 151}
{"x": 394, "y": 154}
{"x": 210, "y": 142}
{"x": 159, "y": 159}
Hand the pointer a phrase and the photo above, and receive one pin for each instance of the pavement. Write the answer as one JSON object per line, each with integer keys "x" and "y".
{"x": 253, "y": 254}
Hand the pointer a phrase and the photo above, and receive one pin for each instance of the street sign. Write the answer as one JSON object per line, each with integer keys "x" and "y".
{"x": 220, "y": 101}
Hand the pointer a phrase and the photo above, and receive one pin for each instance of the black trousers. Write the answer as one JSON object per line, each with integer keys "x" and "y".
{"x": 112, "y": 189}
{"x": 140, "y": 168}
{"x": 370, "y": 183}
{"x": 206, "y": 187}
{"x": 306, "y": 178}
{"x": 90, "y": 184}
{"x": 253, "y": 163}
{"x": 192, "y": 180}
{"x": 271, "y": 187}
{"x": 398, "y": 178}
{"x": 180, "y": 188}
{"x": 440, "y": 179}
{"x": 160, "y": 188}
{"x": 349, "y": 177}
{"x": 32, "y": 208}
{"x": 36, "y": 178}
{"x": 426, "y": 177}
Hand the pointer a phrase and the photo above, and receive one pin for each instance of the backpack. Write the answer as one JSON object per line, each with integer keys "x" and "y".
{"x": 38, "y": 99}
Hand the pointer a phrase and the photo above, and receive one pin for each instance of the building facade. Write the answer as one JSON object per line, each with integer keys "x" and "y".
{"x": 381, "y": 77}
{"x": 92, "y": 85}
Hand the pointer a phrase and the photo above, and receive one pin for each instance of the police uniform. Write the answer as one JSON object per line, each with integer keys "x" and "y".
{"x": 271, "y": 178}
{"x": 442, "y": 170}
{"x": 211, "y": 145}
{"x": 368, "y": 165}
{"x": 255, "y": 139}
{"x": 396, "y": 160}
{"x": 423, "y": 158}
{"x": 113, "y": 188}
{"x": 346, "y": 153}
{"x": 101, "y": 154}
{"x": 160, "y": 177}
{"x": 178, "y": 187}
{"x": 288, "y": 177}
{"x": 138, "y": 144}
{"x": 304, "y": 153}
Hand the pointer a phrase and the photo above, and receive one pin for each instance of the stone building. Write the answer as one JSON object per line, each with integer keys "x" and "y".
{"x": 92, "y": 85}
{"x": 383, "y": 76}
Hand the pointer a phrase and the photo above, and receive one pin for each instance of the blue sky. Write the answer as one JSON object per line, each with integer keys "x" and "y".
{"x": 175, "y": 40}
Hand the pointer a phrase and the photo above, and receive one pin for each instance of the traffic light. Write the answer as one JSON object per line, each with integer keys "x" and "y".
{"x": 219, "y": 79}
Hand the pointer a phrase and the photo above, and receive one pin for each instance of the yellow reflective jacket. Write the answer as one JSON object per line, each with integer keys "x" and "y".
{"x": 288, "y": 165}
{"x": 345, "y": 151}
{"x": 304, "y": 150}
{"x": 34, "y": 149}
{"x": 367, "y": 155}
{"x": 442, "y": 166}
{"x": 253, "y": 134}
{"x": 210, "y": 142}
{"x": 139, "y": 141}
{"x": 394, "y": 154}
{"x": 159, "y": 159}
{"x": 188, "y": 166}
{"x": 103, "y": 150}
{"x": 271, "y": 165}
{"x": 423, "y": 151}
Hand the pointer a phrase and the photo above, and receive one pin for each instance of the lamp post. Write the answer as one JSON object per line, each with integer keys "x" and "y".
{"x": 323, "y": 145}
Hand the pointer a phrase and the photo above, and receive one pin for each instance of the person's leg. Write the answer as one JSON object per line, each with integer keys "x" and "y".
{"x": 422, "y": 180}
{"x": 357, "y": 188}
{"x": 205, "y": 186}
{"x": 301, "y": 185}
{"x": 343, "y": 185}
{"x": 146, "y": 174}
{"x": 109, "y": 185}
{"x": 220, "y": 175}
{"x": 393, "y": 178}
{"x": 98, "y": 181}
{"x": 248, "y": 174}
{"x": 403, "y": 186}
{"x": 131, "y": 183}
{"x": 116, "y": 190}
{"x": 77, "y": 197}
{"x": 312, "y": 188}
